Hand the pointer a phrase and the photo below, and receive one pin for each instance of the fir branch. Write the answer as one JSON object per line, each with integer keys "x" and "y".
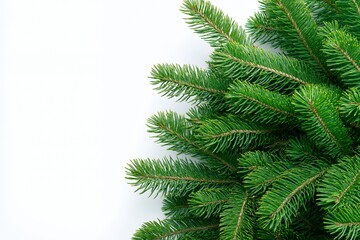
{"x": 343, "y": 54}
{"x": 302, "y": 149}
{"x": 320, "y": 120}
{"x": 199, "y": 113}
{"x": 176, "y": 207}
{"x": 259, "y": 104}
{"x": 288, "y": 194}
{"x": 260, "y": 179}
{"x": 297, "y": 30}
{"x": 344, "y": 222}
{"x": 162, "y": 176}
{"x": 252, "y": 160}
{"x": 323, "y": 10}
{"x": 174, "y": 130}
{"x": 260, "y": 29}
{"x": 349, "y": 15}
{"x": 212, "y": 24}
{"x": 236, "y": 220}
{"x": 273, "y": 71}
{"x": 187, "y": 82}
{"x": 349, "y": 106}
{"x": 173, "y": 229}
{"x": 229, "y": 132}
{"x": 208, "y": 202}
{"x": 341, "y": 184}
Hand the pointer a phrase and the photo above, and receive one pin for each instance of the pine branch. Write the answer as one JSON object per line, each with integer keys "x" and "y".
{"x": 174, "y": 131}
{"x": 296, "y": 29}
{"x": 236, "y": 220}
{"x": 344, "y": 223}
{"x": 323, "y": 10}
{"x": 282, "y": 202}
{"x": 302, "y": 149}
{"x": 171, "y": 229}
{"x": 212, "y": 24}
{"x": 200, "y": 113}
{"x": 261, "y": 179}
{"x": 229, "y": 132}
{"x": 260, "y": 29}
{"x": 273, "y": 71}
{"x": 320, "y": 120}
{"x": 343, "y": 54}
{"x": 252, "y": 160}
{"x": 176, "y": 207}
{"x": 208, "y": 202}
{"x": 349, "y": 106}
{"x": 349, "y": 15}
{"x": 341, "y": 184}
{"x": 188, "y": 83}
{"x": 259, "y": 104}
{"x": 163, "y": 176}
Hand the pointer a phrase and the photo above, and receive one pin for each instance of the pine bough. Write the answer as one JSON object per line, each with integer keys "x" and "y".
{"x": 273, "y": 139}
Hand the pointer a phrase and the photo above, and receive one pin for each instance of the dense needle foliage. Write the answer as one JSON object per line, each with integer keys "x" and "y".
{"x": 273, "y": 139}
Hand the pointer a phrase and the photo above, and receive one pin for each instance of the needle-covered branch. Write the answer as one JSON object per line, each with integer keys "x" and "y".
{"x": 296, "y": 31}
{"x": 317, "y": 114}
{"x": 259, "y": 104}
{"x": 341, "y": 184}
{"x": 212, "y": 24}
{"x": 162, "y": 176}
{"x": 174, "y": 131}
{"x": 237, "y": 220}
{"x": 173, "y": 229}
{"x": 209, "y": 202}
{"x": 273, "y": 71}
{"x": 349, "y": 106}
{"x": 344, "y": 223}
{"x": 287, "y": 195}
{"x": 188, "y": 83}
{"x": 343, "y": 53}
{"x": 230, "y": 132}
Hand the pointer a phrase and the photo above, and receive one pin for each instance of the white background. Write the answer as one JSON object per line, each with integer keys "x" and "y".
{"x": 74, "y": 99}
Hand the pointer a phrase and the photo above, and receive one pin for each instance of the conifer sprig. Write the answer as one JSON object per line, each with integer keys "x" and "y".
{"x": 296, "y": 30}
{"x": 176, "y": 207}
{"x": 288, "y": 195}
{"x": 342, "y": 180}
{"x": 273, "y": 71}
{"x": 344, "y": 223}
{"x": 187, "y": 83}
{"x": 177, "y": 229}
{"x": 209, "y": 202}
{"x": 212, "y": 24}
{"x": 162, "y": 176}
{"x": 349, "y": 15}
{"x": 320, "y": 120}
{"x": 350, "y": 106}
{"x": 253, "y": 100}
{"x": 173, "y": 130}
{"x": 343, "y": 53}
{"x": 228, "y": 132}
{"x": 237, "y": 218}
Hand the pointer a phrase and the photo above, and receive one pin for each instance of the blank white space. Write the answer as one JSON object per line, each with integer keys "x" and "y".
{"x": 74, "y": 99}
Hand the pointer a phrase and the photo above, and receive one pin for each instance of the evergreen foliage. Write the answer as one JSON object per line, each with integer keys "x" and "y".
{"x": 271, "y": 147}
